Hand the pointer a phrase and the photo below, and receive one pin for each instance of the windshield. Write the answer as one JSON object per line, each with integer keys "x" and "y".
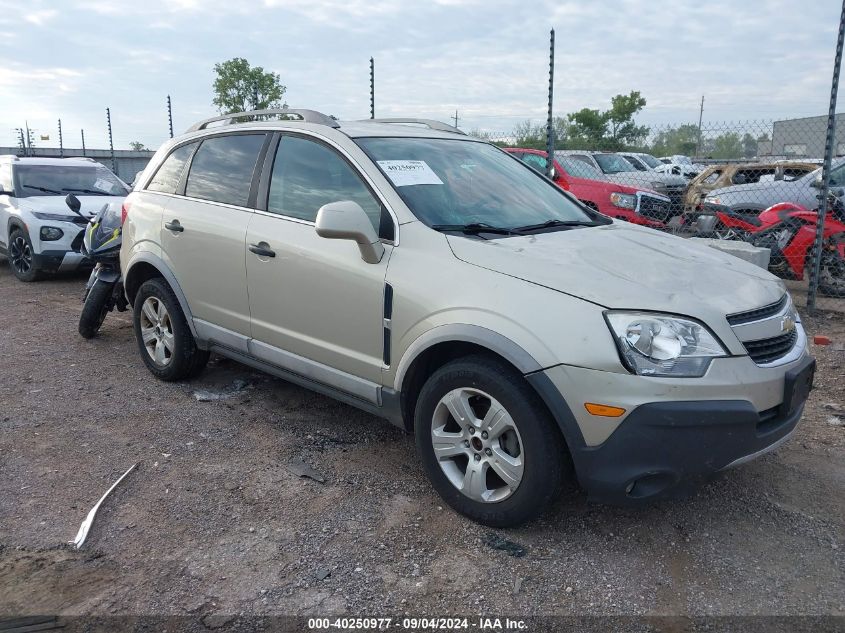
{"x": 613, "y": 163}
{"x": 649, "y": 160}
{"x": 580, "y": 169}
{"x": 450, "y": 183}
{"x": 60, "y": 180}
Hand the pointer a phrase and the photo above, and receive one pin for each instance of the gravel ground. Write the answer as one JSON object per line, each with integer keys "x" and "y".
{"x": 216, "y": 520}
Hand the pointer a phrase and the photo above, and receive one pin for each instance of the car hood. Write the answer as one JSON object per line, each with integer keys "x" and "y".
{"x": 56, "y": 205}
{"x": 625, "y": 266}
{"x": 646, "y": 178}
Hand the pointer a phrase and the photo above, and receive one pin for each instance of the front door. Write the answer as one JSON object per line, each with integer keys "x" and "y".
{"x": 316, "y": 306}
{"x": 203, "y": 233}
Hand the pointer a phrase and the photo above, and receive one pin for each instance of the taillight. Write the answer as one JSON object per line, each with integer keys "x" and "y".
{"x": 124, "y": 211}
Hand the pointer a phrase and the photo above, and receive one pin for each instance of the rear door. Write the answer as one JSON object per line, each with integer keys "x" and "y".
{"x": 203, "y": 234}
{"x": 317, "y": 307}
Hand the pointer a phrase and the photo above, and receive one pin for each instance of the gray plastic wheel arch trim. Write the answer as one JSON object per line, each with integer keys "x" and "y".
{"x": 156, "y": 262}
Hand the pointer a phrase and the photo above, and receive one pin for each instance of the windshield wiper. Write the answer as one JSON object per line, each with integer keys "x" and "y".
{"x": 94, "y": 192}
{"x": 44, "y": 189}
{"x": 474, "y": 228}
{"x": 549, "y": 224}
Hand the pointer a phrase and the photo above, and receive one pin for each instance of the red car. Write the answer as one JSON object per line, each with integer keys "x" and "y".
{"x": 640, "y": 206}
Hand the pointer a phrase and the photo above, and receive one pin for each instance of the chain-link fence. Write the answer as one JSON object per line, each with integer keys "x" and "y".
{"x": 753, "y": 181}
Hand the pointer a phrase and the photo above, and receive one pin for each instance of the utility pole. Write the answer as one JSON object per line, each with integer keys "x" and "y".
{"x": 83, "y": 142}
{"x": 111, "y": 142}
{"x": 61, "y": 146}
{"x": 170, "y": 116}
{"x": 372, "y": 89}
{"x": 700, "y": 118}
{"x": 456, "y": 118}
{"x": 550, "y": 124}
{"x": 21, "y": 140}
{"x": 28, "y": 151}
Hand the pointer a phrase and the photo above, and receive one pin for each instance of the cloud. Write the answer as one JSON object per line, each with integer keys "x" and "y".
{"x": 39, "y": 18}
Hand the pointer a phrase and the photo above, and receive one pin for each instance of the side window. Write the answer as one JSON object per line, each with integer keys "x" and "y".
{"x": 6, "y": 178}
{"x": 713, "y": 177}
{"x": 307, "y": 175}
{"x": 167, "y": 177}
{"x": 536, "y": 161}
{"x": 837, "y": 176}
{"x": 222, "y": 168}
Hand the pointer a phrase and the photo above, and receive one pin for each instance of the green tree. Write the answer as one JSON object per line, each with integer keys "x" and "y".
{"x": 612, "y": 129}
{"x": 728, "y": 145}
{"x": 676, "y": 140}
{"x": 137, "y": 146}
{"x": 240, "y": 87}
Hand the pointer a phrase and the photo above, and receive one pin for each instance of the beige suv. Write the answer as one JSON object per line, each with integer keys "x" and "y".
{"x": 436, "y": 281}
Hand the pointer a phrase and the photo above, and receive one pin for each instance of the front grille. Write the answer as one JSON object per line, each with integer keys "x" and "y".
{"x": 655, "y": 208}
{"x": 771, "y": 349}
{"x": 76, "y": 244}
{"x": 757, "y": 314}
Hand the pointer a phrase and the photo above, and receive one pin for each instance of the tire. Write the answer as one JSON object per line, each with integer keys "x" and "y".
{"x": 158, "y": 318}
{"x": 95, "y": 309}
{"x": 21, "y": 259}
{"x": 524, "y": 443}
{"x": 831, "y": 274}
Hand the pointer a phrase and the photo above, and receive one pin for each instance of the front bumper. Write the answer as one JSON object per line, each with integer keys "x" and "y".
{"x": 667, "y": 448}
{"x": 60, "y": 261}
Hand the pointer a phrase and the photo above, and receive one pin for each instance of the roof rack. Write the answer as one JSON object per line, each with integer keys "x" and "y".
{"x": 309, "y": 116}
{"x": 430, "y": 123}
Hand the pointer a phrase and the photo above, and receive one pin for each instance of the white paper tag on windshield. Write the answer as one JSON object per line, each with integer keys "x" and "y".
{"x": 103, "y": 185}
{"x": 409, "y": 172}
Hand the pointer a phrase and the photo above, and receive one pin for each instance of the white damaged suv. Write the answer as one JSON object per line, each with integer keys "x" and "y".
{"x": 39, "y": 234}
{"x": 436, "y": 281}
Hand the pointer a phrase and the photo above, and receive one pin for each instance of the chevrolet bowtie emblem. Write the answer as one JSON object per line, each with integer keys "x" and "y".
{"x": 787, "y": 324}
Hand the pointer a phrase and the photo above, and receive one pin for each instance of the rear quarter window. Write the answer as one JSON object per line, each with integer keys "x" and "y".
{"x": 167, "y": 176}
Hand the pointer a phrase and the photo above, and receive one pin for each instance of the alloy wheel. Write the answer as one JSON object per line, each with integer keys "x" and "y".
{"x": 157, "y": 331}
{"x": 21, "y": 254}
{"x": 477, "y": 445}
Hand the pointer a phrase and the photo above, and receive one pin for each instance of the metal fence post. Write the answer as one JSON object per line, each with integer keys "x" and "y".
{"x": 61, "y": 146}
{"x": 83, "y": 141}
{"x": 828, "y": 157}
{"x": 170, "y": 116}
{"x": 372, "y": 89}
{"x": 550, "y": 127}
{"x": 111, "y": 142}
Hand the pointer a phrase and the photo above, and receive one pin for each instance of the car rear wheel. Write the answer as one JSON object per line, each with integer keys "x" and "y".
{"x": 21, "y": 258}
{"x": 167, "y": 346}
{"x": 489, "y": 446}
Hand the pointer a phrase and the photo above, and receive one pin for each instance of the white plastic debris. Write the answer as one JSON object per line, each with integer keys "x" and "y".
{"x": 89, "y": 520}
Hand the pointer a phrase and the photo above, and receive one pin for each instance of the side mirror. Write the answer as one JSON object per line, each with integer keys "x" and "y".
{"x": 73, "y": 203}
{"x": 346, "y": 220}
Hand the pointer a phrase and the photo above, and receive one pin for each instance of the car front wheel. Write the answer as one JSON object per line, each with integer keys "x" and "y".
{"x": 20, "y": 256}
{"x": 488, "y": 443}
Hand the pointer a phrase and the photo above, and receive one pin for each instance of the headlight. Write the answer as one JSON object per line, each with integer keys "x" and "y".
{"x": 657, "y": 185}
{"x": 52, "y": 217}
{"x": 51, "y": 233}
{"x": 663, "y": 345}
{"x": 623, "y": 200}
{"x": 713, "y": 200}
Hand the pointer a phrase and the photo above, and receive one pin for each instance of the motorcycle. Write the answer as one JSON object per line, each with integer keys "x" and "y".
{"x": 101, "y": 244}
{"x": 788, "y": 230}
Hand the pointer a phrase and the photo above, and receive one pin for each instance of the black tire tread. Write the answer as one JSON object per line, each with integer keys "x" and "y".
{"x": 92, "y": 311}
{"x": 34, "y": 274}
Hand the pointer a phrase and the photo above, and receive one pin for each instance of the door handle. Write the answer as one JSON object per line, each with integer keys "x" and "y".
{"x": 262, "y": 250}
{"x": 174, "y": 226}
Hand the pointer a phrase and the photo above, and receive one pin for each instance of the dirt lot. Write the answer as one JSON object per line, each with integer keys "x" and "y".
{"x": 213, "y": 521}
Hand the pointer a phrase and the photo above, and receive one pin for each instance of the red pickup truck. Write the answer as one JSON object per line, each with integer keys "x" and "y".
{"x": 640, "y": 206}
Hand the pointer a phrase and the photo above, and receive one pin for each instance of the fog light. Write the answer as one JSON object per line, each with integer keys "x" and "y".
{"x": 51, "y": 233}
{"x": 604, "y": 410}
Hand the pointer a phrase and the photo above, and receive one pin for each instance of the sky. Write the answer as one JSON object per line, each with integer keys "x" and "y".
{"x": 487, "y": 59}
